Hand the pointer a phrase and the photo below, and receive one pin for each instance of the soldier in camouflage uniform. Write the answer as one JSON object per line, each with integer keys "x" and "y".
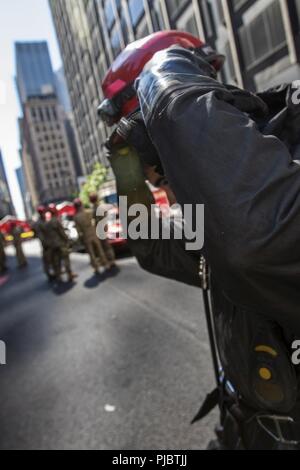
{"x": 59, "y": 245}
{"x": 41, "y": 232}
{"x": 108, "y": 249}
{"x": 16, "y": 232}
{"x": 87, "y": 231}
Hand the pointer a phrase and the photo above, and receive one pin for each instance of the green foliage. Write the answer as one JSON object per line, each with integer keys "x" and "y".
{"x": 93, "y": 183}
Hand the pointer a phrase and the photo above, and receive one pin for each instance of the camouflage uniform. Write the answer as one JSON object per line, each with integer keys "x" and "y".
{"x": 59, "y": 248}
{"x": 87, "y": 231}
{"x": 2, "y": 254}
{"x": 40, "y": 229}
{"x": 16, "y": 232}
{"x": 108, "y": 249}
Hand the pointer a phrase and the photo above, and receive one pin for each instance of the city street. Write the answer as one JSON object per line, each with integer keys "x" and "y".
{"x": 118, "y": 362}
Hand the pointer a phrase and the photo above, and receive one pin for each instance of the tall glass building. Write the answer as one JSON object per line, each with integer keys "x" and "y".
{"x": 260, "y": 38}
{"x": 34, "y": 70}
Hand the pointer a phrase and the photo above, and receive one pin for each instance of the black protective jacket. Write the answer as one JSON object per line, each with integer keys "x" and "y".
{"x": 236, "y": 153}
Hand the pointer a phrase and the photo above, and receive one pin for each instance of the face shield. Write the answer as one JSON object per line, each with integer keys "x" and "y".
{"x": 111, "y": 109}
{"x": 108, "y": 112}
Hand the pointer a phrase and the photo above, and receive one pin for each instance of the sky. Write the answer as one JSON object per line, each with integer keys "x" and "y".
{"x": 20, "y": 20}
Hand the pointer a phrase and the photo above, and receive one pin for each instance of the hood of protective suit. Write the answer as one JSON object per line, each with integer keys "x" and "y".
{"x": 237, "y": 153}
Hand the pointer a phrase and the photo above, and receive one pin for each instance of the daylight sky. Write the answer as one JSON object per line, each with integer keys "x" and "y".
{"x": 20, "y": 20}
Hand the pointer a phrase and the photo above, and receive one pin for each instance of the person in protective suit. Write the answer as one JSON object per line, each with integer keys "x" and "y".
{"x": 3, "y": 266}
{"x": 59, "y": 246}
{"x": 41, "y": 233}
{"x": 87, "y": 232}
{"x": 16, "y": 232}
{"x": 235, "y": 152}
{"x": 108, "y": 249}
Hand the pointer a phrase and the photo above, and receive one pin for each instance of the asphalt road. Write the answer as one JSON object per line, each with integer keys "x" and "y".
{"x": 119, "y": 362}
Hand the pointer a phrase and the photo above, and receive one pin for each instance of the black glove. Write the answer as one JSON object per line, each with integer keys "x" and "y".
{"x": 133, "y": 131}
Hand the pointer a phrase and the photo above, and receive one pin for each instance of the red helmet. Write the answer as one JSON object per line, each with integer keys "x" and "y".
{"x": 77, "y": 203}
{"x": 41, "y": 210}
{"x": 52, "y": 209}
{"x": 93, "y": 198}
{"x": 118, "y": 83}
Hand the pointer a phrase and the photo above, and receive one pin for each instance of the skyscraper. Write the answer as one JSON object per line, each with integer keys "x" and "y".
{"x": 46, "y": 151}
{"x": 35, "y": 76}
{"x": 6, "y": 205}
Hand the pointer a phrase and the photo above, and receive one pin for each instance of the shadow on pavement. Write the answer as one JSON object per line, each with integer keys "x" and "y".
{"x": 61, "y": 288}
{"x": 95, "y": 280}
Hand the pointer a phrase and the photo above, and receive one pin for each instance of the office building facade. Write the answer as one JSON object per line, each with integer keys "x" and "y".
{"x": 46, "y": 150}
{"x": 260, "y": 39}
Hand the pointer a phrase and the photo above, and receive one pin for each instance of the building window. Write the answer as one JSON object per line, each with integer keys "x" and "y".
{"x": 116, "y": 41}
{"x": 41, "y": 115}
{"x": 174, "y": 7}
{"x": 124, "y": 27}
{"x": 208, "y": 19}
{"x": 187, "y": 21}
{"x": 142, "y": 29}
{"x": 109, "y": 14}
{"x": 229, "y": 65}
{"x": 263, "y": 36}
{"x": 157, "y": 16}
{"x": 48, "y": 114}
{"x": 136, "y": 10}
{"x": 54, "y": 113}
{"x": 237, "y": 4}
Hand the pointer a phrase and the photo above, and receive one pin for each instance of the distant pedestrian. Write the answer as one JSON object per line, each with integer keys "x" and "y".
{"x": 59, "y": 244}
{"x": 16, "y": 232}
{"x": 87, "y": 231}
{"x": 108, "y": 249}
{"x": 3, "y": 266}
{"x": 40, "y": 229}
